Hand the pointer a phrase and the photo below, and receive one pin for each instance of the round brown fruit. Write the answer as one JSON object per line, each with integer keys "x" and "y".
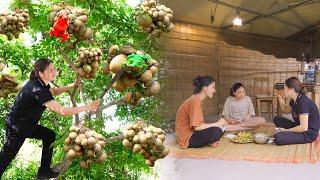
{"x": 79, "y": 153}
{"x": 77, "y": 140}
{"x": 113, "y": 50}
{"x": 97, "y": 148}
{"x": 77, "y": 148}
{"x": 148, "y": 83}
{"x": 148, "y": 162}
{"x": 89, "y": 134}
{"x": 90, "y": 153}
{"x": 95, "y": 64}
{"x": 72, "y": 135}
{"x": 87, "y": 68}
{"x": 67, "y": 140}
{"x": 82, "y": 136}
{"x": 99, "y": 136}
{"x": 66, "y": 148}
{"x": 136, "y": 139}
{"x": 106, "y": 69}
{"x": 127, "y": 98}
{"x": 84, "y": 142}
{"x": 126, "y": 142}
{"x": 102, "y": 143}
{"x": 71, "y": 154}
{"x": 153, "y": 70}
{"x": 143, "y": 139}
{"x": 162, "y": 137}
{"x": 129, "y": 81}
{"x": 117, "y": 63}
{"x": 131, "y": 133}
{"x": 146, "y": 76}
{"x": 127, "y": 50}
{"x": 155, "y": 88}
{"x": 118, "y": 86}
{"x": 158, "y": 142}
{"x": 165, "y": 152}
{"x": 89, "y": 162}
{"x": 83, "y": 164}
{"x": 149, "y": 135}
{"x": 137, "y": 148}
{"x": 102, "y": 157}
{"x": 91, "y": 141}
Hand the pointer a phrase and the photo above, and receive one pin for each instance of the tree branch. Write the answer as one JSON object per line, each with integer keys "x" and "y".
{"x": 72, "y": 95}
{"x": 113, "y": 80}
{"x": 109, "y": 104}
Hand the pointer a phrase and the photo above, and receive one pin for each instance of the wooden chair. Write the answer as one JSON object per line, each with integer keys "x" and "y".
{"x": 263, "y": 94}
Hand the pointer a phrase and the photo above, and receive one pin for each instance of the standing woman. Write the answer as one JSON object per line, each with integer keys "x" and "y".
{"x": 306, "y": 124}
{"x": 238, "y": 110}
{"x": 192, "y": 131}
{"x": 22, "y": 121}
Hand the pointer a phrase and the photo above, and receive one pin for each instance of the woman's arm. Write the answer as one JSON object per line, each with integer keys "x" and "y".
{"x": 303, "y": 127}
{"x": 57, "y": 91}
{"x": 69, "y": 111}
{"x": 206, "y": 126}
{"x": 230, "y": 120}
{"x": 227, "y": 111}
{"x": 283, "y": 106}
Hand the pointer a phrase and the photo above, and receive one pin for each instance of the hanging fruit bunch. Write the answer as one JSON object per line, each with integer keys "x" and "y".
{"x": 10, "y": 76}
{"x": 88, "y": 61}
{"x": 14, "y": 23}
{"x": 69, "y": 20}
{"x": 154, "y": 17}
{"x": 146, "y": 140}
{"x": 140, "y": 71}
{"x": 85, "y": 144}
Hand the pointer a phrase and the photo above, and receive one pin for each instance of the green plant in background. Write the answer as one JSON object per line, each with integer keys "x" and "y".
{"x": 112, "y": 23}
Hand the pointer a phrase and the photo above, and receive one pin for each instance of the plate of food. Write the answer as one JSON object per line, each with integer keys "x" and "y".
{"x": 243, "y": 137}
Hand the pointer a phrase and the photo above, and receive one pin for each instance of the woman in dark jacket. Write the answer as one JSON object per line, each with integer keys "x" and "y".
{"x": 306, "y": 124}
{"x": 22, "y": 121}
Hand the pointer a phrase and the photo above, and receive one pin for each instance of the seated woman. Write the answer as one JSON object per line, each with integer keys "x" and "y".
{"x": 239, "y": 112}
{"x": 191, "y": 130}
{"x": 306, "y": 124}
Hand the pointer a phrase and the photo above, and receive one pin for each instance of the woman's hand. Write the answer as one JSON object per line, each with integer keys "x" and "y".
{"x": 247, "y": 117}
{"x": 77, "y": 84}
{"x": 232, "y": 121}
{"x": 93, "y": 106}
{"x": 281, "y": 99}
{"x": 281, "y": 129}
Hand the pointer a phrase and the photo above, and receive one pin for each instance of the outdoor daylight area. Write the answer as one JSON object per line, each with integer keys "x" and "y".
{"x": 159, "y": 89}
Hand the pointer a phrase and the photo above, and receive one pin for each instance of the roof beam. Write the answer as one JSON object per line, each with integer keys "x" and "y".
{"x": 261, "y": 15}
{"x": 304, "y": 31}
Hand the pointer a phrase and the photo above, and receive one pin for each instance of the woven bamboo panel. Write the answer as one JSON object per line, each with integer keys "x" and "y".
{"x": 195, "y": 50}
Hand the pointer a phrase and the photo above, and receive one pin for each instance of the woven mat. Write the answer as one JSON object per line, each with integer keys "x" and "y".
{"x": 227, "y": 150}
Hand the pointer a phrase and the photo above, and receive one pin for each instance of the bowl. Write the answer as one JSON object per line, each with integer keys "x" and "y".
{"x": 261, "y": 138}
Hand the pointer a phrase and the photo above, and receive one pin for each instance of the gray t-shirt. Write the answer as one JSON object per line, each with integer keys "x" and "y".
{"x": 238, "y": 109}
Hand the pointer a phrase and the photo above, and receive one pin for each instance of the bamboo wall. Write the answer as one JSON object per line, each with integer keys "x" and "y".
{"x": 193, "y": 50}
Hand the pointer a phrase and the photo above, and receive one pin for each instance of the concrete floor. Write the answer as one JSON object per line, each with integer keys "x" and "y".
{"x": 211, "y": 169}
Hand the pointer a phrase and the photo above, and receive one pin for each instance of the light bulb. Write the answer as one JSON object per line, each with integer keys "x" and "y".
{"x": 237, "y": 21}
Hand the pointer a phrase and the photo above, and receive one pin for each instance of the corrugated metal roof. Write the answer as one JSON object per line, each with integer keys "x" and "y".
{"x": 272, "y": 18}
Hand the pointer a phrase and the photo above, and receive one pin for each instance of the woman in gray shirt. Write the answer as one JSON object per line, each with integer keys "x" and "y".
{"x": 238, "y": 110}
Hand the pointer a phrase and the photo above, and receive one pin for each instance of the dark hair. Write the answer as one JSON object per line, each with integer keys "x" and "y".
{"x": 235, "y": 87}
{"x": 39, "y": 66}
{"x": 201, "y": 81}
{"x": 295, "y": 84}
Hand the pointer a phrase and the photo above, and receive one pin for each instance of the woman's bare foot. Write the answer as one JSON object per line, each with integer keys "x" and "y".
{"x": 215, "y": 144}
